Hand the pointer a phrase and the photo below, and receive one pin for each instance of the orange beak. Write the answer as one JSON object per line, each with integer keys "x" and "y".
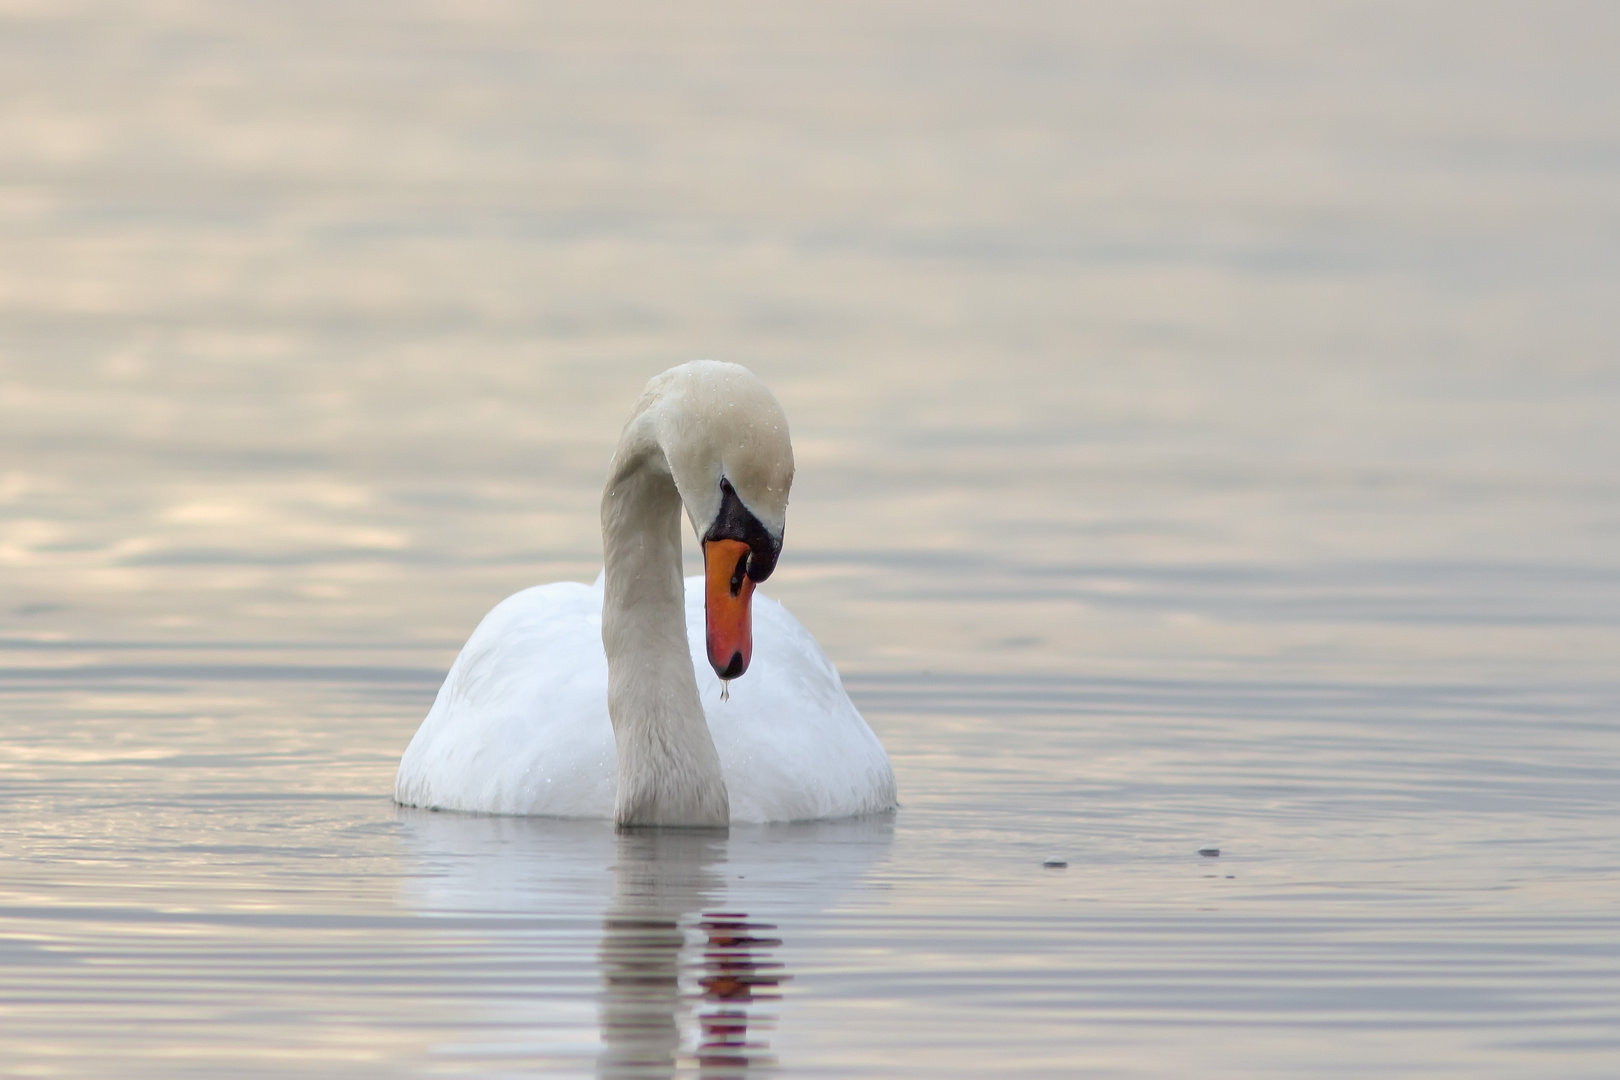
{"x": 726, "y": 604}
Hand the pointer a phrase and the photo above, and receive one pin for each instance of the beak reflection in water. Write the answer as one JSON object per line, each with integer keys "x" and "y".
{"x": 679, "y": 986}
{"x": 737, "y": 971}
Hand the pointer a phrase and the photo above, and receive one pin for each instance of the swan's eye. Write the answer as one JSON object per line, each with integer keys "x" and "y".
{"x": 741, "y": 572}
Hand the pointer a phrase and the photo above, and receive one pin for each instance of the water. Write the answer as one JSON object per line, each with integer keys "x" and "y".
{"x": 1205, "y": 438}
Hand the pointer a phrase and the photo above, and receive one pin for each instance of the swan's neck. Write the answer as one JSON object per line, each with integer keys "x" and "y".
{"x": 669, "y": 772}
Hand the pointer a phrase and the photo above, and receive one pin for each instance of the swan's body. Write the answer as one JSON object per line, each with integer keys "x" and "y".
{"x": 521, "y": 724}
{"x": 595, "y": 701}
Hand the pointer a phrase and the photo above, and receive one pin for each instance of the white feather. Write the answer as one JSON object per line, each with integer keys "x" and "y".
{"x": 521, "y": 723}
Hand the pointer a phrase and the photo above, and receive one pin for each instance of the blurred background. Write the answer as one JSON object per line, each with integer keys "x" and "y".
{"x": 1205, "y": 426}
{"x": 1202, "y": 332}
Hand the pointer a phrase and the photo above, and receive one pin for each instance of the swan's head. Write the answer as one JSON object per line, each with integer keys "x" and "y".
{"x": 726, "y": 440}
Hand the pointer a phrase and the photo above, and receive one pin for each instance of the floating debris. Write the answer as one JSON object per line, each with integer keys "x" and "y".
{"x": 1055, "y": 864}
{"x": 1210, "y": 852}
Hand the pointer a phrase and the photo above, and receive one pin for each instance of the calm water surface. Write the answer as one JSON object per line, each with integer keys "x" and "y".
{"x": 1205, "y": 426}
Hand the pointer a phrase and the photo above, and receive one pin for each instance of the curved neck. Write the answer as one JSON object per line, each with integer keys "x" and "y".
{"x": 669, "y": 772}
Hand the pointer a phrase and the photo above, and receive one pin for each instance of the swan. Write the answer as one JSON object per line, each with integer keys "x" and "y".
{"x": 595, "y": 701}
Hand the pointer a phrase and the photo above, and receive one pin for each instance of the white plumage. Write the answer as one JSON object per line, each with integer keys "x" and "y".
{"x": 520, "y": 725}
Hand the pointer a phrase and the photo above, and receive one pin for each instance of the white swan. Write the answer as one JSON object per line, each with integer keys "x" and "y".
{"x": 593, "y": 701}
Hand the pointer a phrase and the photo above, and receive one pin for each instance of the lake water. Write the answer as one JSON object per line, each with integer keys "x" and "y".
{"x": 1206, "y": 436}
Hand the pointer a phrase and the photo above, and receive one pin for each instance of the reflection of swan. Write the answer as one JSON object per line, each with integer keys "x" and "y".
{"x": 539, "y": 866}
{"x": 576, "y": 701}
{"x": 687, "y": 953}
{"x": 648, "y": 991}
{"x": 738, "y": 971}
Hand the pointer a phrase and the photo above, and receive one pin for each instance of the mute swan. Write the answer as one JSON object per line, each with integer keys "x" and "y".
{"x": 575, "y": 700}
